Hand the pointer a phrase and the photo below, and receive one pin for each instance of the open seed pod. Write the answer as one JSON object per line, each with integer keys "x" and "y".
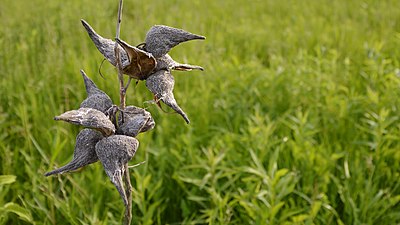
{"x": 114, "y": 152}
{"x": 96, "y": 98}
{"x": 161, "y": 84}
{"x": 90, "y": 118}
{"x": 136, "y": 63}
{"x": 135, "y": 120}
{"x": 141, "y": 63}
{"x": 84, "y": 153}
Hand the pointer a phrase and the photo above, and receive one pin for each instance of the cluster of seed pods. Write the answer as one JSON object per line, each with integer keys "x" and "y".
{"x": 105, "y": 139}
{"x": 150, "y": 60}
{"x": 109, "y": 139}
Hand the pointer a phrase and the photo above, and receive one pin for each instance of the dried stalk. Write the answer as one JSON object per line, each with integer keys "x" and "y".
{"x": 122, "y": 92}
{"x": 128, "y": 192}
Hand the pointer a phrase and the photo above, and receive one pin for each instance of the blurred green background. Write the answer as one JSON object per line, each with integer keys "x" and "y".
{"x": 295, "y": 119}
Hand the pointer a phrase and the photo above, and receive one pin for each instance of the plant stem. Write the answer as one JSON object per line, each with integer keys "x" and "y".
{"x": 128, "y": 192}
{"x": 122, "y": 93}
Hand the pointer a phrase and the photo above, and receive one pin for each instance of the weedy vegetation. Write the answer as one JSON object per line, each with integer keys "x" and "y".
{"x": 295, "y": 119}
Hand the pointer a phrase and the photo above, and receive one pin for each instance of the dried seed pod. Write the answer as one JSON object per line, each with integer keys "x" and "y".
{"x": 136, "y": 63}
{"x": 141, "y": 63}
{"x": 84, "y": 153}
{"x": 106, "y": 46}
{"x": 160, "y": 39}
{"x": 114, "y": 152}
{"x": 165, "y": 62}
{"x": 90, "y": 118}
{"x": 96, "y": 98}
{"x": 161, "y": 84}
{"x": 135, "y": 120}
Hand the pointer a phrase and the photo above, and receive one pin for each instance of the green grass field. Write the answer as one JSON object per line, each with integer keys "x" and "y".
{"x": 295, "y": 119}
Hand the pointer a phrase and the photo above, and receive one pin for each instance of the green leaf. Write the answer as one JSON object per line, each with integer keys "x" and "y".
{"x": 300, "y": 218}
{"x": 275, "y": 209}
{"x": 281, "y": 172}
{"x": 7, "y": 179}
{"x": 23, "y": 213}
{"x": 395, "y": 200}
{"x": 315, "y": 208}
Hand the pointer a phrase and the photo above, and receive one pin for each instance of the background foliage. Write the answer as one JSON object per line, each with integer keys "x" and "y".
{"x": 294, "y": 121}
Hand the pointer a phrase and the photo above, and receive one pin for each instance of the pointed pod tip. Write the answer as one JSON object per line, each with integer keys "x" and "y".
{"x": 183, "y": 114}
{"x": 187, "y": 120}
{"x": 178, "y": 109}
{"x": 90, "y": 86}
{"x": 53, "y": 172}
{"x": 88, "y": 28}
{"x": 85, "y": 77}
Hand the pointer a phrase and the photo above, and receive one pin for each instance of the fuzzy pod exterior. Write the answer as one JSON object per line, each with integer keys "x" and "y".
{"x": 166, "y": 62}
{"x": 106, "y": 46}
{"x": 160, "y": 39}
{"x": 90, "y": 118}
{"x": 114, "y": 153}
{"x": 161, "y": 84}
{"x": 135, "y": 120}
{"x": 96, "y": 98}
{"x": 84, "y": 152}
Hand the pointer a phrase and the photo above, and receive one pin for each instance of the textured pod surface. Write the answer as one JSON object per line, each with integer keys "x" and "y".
{"x": 90, "y": 118}
{"x": 134, "y": 121}
{"x": 160, "y": 39}
{"x": 141, "y": 63}
{"x": 84, "y": 152}
{"x": 114, "y": 152}
{"x": 161, "y": 84}
{"x": 106, "y": 46}
{"x": 96, "y": 98}
{"x": 165, "y": 62}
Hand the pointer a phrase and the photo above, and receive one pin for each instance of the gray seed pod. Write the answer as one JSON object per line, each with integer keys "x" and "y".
{"x": 161, "y": 84}
{"x": 84, "y": 153}
{"x": 165, "y": 62}
{"x": 160, "y": 39}
{"x": 114, "y": 152}
{"x": 106, "y": 46}
{"x": 96, "y": 98}
{"x": 135, "y": 120}
{"x": 90, "y": 118}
